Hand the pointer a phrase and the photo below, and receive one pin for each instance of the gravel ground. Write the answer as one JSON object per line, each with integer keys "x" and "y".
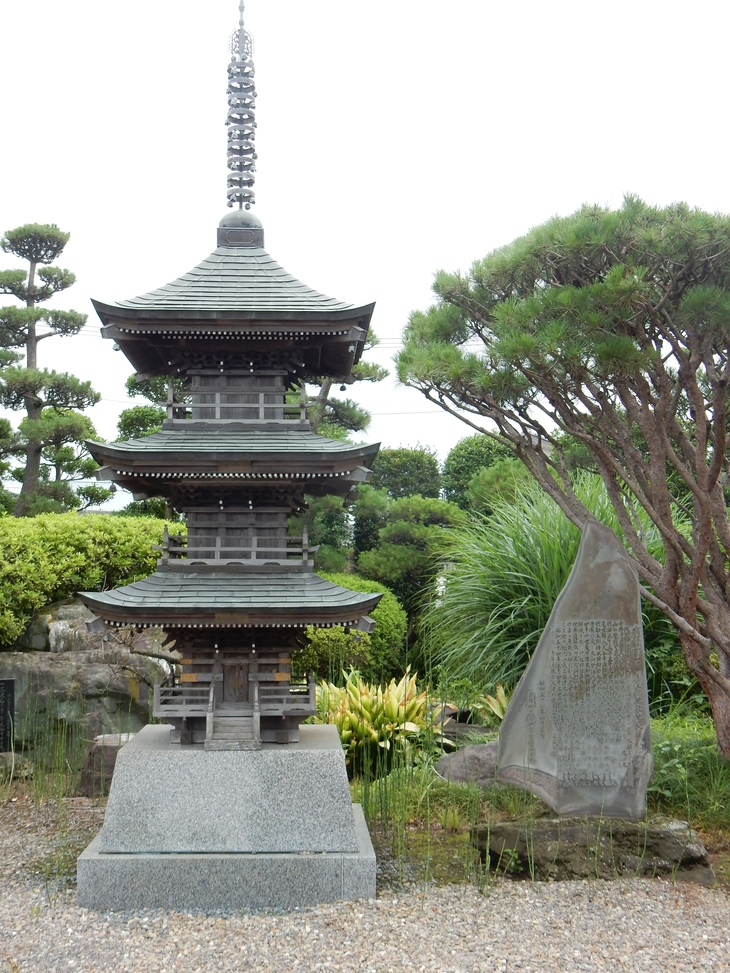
{"x": 565, "y": 927}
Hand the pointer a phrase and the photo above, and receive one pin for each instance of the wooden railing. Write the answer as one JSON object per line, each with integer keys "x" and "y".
{"x": 218, "y": 408}
{"x": 260, "y": 549}
{"x": 198, "y": 699}
{"x": 210, "y": 712}
{"x": 187, "y": 699}
{"x": 256, "y": 713}
{"x": 280, "y": 695}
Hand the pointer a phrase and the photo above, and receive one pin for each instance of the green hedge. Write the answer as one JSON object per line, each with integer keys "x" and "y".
{"x": 50, "y": 557}
{"x": 378, "y": 656}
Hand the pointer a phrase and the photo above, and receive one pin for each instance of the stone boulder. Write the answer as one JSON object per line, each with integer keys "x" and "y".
{"x": 474, "y": 764}
{"x": 57, "y": 628}
{"x": 551, "y": 849}
{"x": 90, "y": 691}
{"x": 72, "y": 685}
{"x": 99, "y": 764}
{"x": 576, "y": 732}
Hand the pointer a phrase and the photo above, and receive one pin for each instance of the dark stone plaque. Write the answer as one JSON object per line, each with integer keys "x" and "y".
{"x": 7, "y": 714}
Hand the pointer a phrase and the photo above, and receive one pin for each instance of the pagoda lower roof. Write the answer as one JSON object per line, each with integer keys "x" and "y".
{"x": 230, "y": 599}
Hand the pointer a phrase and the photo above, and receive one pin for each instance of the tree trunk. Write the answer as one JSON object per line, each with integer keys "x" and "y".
{"x": 31, "y": 342}
{"x": 32, "y": 471}
{"x": 720, "y": 704}
{"x": 33, "y": 408}
{"x": 316, "y": 413}
{"x": 700, "y": 665}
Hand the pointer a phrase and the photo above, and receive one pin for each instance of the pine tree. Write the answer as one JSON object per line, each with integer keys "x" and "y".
{"x": 608, "y": 331}
{"x": 30, "y": 388}
{"x": 338, "y": 417}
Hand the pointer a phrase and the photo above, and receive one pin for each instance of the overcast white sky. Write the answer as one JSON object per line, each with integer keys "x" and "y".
{"x": 395, "y": 138}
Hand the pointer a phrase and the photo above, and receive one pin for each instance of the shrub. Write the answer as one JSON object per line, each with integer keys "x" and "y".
{"x": 465, "y": 460}
{"x": 377, "y": 656}
{"x": 691, "y": 779}
{"x": 52, "y": 556}
{"x": 371, "y": 719}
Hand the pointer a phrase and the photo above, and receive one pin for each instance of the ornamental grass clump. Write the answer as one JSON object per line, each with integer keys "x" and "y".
{"x": 374, "y": 722}
{"x": 502, "y": 576}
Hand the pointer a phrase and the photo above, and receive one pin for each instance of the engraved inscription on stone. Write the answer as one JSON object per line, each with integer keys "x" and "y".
{"x": 7, "y": 714}
{"x": 576, "y": 732}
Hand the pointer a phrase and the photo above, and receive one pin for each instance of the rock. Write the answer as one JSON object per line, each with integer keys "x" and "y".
{"x": 99, "y": 764}
{"x": 15, "y": 767}
{"x": 576, "y": 732}
{"x": 76, "y": 677}
{"x": 475, "y": 764}
{"x": 456, "y": 732}
{"x": 57, "y": 628}
{"x": 72, "y": 685}
{"x": 75, "y": 696}
{"x": 554, "y": 849}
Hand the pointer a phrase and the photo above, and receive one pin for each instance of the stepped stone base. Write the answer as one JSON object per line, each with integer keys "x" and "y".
{"x": 194, "y": 830}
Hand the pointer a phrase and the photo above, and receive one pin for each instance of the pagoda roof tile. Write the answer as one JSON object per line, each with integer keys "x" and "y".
{"x": 235, "y": 278}
{"x": 215, "y": 441}
{"x": 282, "y": 595}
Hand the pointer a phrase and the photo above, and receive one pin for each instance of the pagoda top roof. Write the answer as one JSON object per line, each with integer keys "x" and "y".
{"x": 238, "y": 276}
{"x": 229, "y": 599}
{"x": 239, "y": 297}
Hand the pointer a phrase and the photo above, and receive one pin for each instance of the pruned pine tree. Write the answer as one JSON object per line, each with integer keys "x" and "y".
{"x": 145, "y": 420}
{"x": 336, "y": 417}
{"x": 44, "y": 395}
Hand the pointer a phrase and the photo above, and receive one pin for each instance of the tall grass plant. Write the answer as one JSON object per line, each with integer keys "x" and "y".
{"x": 502, "y": 575}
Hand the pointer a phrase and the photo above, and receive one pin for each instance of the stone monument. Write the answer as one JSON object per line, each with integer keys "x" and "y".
{"x": 576, "y": 732}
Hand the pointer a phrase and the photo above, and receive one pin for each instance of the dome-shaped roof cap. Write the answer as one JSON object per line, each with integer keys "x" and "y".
{"x": 240, "y": 228}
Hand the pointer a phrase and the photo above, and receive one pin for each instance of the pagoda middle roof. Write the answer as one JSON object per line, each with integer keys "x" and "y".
{"x": 217, "y": 442}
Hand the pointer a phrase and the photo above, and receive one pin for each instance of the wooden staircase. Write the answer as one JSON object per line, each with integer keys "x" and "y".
{"x": 232, "y": 733}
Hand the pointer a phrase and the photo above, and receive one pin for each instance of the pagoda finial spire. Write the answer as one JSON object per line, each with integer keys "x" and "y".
{"x": 241, "y": 120}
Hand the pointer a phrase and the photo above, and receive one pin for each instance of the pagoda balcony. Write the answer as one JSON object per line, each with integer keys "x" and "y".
{"x": 246, "y": 406}
{"x": 196, "y": 699}
{"x": 225, "y": 550}
{"x": 271, "y": 715}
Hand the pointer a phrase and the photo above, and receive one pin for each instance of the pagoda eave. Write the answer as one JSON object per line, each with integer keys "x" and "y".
{"x": 229, "y": 617}
{"x": 179, "y": 620}
{"x": 243, "y": 462}
{"x": 154, "y": 355}
{"x": 231, "y": 597}
{"x": 156, "y": 319}
{"x": 143, "y": 486}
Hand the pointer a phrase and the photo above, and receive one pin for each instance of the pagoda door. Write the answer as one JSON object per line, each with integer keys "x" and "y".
{"x": 235, "y": 682}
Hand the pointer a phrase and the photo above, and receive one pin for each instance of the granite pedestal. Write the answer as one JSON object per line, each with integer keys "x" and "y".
{"x": 227, "y": 830}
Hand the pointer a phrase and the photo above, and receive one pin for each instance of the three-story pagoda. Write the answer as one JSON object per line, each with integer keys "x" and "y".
{"x": 237, "y": 457}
